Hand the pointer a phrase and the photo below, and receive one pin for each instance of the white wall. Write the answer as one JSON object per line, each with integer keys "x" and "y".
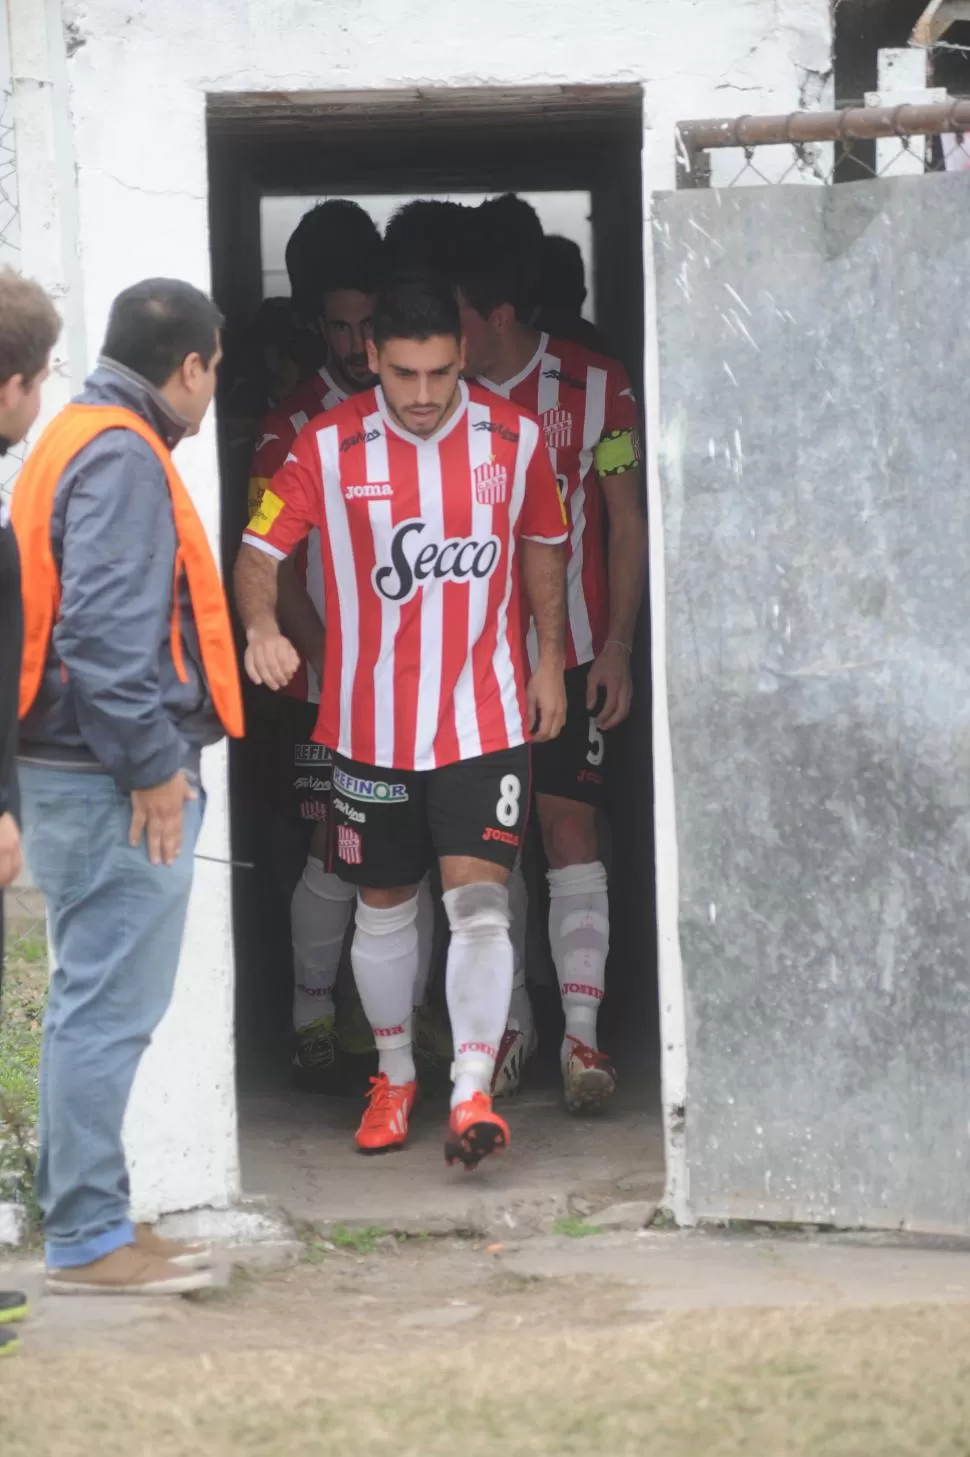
{"x": 127, "y": 110}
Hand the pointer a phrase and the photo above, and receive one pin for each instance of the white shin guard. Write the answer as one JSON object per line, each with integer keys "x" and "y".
{"x": 320, "y": 912}
{"x": 425, "y": 924}
{"x": 479, "y": 982}
{"x": 385, "y": 959}
{"x": 579, "y": 935}
{"x": 520, "y": 1010}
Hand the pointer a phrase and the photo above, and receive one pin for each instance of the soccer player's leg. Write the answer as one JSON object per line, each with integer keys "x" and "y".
{"x": 320, "y": 912}
{"x": 519, "y": 1039}
{"x": 568, "y": 778}
{"x": 477, "y": 812}
{"x": 380, "y": 844}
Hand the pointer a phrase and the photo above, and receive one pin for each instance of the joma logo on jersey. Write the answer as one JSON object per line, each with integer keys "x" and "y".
{"x": 495, "y": 427}
{"x": 491, "y": 483}
{"x": 557, "y": 427}
{"x": 563, "y": 378}
{"x": 411, "y": 564}
{"x": 362, "y": 437}
{"x": 373, "y": 491}
{"x": 368, "y": 790}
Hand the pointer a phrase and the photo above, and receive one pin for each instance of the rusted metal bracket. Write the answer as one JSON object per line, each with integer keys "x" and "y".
{"x": 937, "y": 18}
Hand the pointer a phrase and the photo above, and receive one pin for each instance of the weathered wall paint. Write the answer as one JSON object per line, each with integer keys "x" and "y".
{"x": 127, "y": 135}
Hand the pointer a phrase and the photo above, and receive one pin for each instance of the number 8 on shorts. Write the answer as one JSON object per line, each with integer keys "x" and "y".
{"x": 508, "y": 808}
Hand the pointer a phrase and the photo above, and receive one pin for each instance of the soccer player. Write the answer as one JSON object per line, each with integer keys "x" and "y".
{"x": 434, "y": 500}
{"x": 288, "y": 341}
{"x": 590, "y": 426}
{"x": 562, "y": 293}
{"x": 347, "y": 281}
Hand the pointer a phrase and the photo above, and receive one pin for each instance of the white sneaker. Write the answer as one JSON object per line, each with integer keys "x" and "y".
{"x": 515, "y": 1051}
{"x": 589, "y": 1079}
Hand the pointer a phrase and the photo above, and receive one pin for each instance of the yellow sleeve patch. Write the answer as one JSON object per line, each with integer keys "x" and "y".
{"x": 270, "y": 506}
{"x": 257, "y": 485}
{"x": 618, "y": 451}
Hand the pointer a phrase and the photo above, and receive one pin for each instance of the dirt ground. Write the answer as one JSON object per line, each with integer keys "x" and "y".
{"x": 568, "y": 1345}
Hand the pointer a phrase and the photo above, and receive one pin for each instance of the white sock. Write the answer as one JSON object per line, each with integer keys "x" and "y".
{"x": 384, "y": 957}
{"x": 520, "y": 1010}
{"x": 320, "y": 913}
{"x": 579, "y": 935}
{"x": 478, "y": 983}
{"x": 425, "y": 942}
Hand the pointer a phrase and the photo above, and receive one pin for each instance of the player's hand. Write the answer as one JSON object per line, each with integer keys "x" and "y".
{"x": 546, "y": 702}
{"x": 271, "y": 659}
{"x": 610, "y": 682}
{"x": 157, "y": 814}
{"x": 10, "y": 861}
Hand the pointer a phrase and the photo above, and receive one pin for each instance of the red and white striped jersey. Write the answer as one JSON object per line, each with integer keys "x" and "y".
{"x": 591, "y": 429}
{"x": 280, "y": 428}
{"x": 424, "y": 661}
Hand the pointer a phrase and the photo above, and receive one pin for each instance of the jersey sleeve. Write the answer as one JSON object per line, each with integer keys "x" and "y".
{"x": 291, "y": 504}
{"x": 272, "y": 448}
{"x": 618, "y": 449}
{"x": 543, "y": 515}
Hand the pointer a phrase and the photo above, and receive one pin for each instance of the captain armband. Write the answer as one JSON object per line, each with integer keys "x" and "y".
{"x": 618, "y": 451}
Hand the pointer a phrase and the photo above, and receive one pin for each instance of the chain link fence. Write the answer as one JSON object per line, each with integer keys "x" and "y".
{"x": 825, "y": 148}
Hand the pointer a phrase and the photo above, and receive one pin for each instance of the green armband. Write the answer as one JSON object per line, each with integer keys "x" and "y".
{"x": 617, "y": 451}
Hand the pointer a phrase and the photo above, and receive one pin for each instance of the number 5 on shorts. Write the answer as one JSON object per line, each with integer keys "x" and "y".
{"x": 597, "y": 747}
{"x": 507, "y": 809}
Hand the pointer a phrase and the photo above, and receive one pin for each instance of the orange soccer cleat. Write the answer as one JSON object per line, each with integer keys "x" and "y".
{"x": 474, "y": 1132}
{"x": 384, "y": 1125}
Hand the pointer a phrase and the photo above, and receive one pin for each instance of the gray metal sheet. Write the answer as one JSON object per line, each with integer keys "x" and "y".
{"x": 813, "y": 345}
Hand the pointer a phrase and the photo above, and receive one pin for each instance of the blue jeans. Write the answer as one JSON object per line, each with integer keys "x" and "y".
{"x": 116, "y": 924}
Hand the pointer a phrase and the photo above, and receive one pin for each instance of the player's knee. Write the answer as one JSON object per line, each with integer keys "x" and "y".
{"x": 477, "y": 911}
{"x": 386, "y": 920}
{"x": 324, "y": 885}
{"x": 585, "y": 879}
{"x": 569, "y": 834}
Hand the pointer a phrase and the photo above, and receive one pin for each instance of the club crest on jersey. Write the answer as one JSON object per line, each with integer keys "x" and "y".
{"x": 557, "y": 427}
{"x": 413, "y": 562}
{"x": 491, "y": 483}
{"x": 350, "y": 845}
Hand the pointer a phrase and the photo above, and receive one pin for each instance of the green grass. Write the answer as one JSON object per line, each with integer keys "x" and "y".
{"x": 21, "y": 1024}
{"x": 575, "y": 1228}
{"x": 358, "y": 1241}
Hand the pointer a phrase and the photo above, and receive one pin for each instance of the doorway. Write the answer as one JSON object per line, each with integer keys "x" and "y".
{"x": 550, "y": 144}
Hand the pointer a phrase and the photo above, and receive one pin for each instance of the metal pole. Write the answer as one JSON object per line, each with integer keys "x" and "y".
{"x": 857, "y": 123}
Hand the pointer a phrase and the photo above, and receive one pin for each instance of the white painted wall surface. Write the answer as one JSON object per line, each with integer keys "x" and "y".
{"x": 133, "y": 122}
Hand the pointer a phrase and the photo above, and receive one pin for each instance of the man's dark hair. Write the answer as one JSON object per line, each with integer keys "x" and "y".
{"x": 416, "y": 306}
{"x": 427, "y": 236}
{"x": 563, "y": 280}
{"x": 29, "y": 326}
{"x": 335, "y": 245}
{"x": 502, "y": 258}
{"x": 155, "y": 325}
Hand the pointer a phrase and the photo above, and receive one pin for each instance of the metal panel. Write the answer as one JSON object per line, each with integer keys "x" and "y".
{"x": 814, "y": 465}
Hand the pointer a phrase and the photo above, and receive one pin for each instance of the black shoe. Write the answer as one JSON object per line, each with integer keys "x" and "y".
{"x": 13, "y": 1306}
{"x": 319, "y": 1065}
{"x": 9, "y": 1343}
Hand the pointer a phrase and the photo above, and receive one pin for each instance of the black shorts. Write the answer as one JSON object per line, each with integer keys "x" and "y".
{"x": 390, "y": 825}
{"x": 307, "y": 766}
{"x": 573, "y": 766}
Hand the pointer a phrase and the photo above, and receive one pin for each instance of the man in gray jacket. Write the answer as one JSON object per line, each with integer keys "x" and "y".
{"x": 109, "y": 772}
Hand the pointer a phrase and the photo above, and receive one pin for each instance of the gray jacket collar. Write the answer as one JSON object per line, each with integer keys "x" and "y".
{"x": 112, "y": 383}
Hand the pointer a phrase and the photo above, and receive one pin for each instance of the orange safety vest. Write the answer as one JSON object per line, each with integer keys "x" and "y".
{"x": 31, "y": 511}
